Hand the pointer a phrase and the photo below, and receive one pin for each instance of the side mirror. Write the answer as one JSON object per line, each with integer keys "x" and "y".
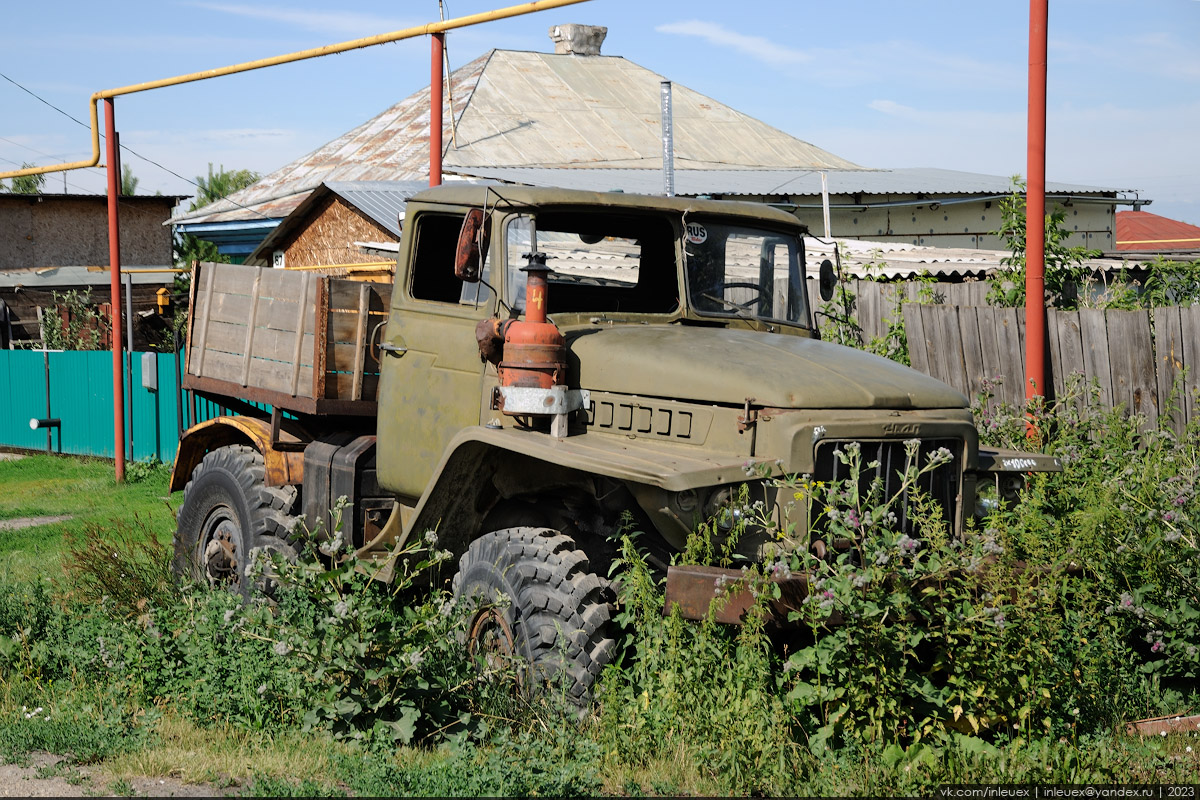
{"x": 827, "y": 280}
{"x": 472, "y": 248}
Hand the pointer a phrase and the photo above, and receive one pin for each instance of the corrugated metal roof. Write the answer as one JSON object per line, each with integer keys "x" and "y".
{"x": 897, "y": 260}
{"x": 382, "y": 201}
{"x": 1146, "y": 232}
{"x": 53, "y": 277}
{"x": 768, "y": 182}
{"x": 545, "y": 110}
{"x": 393, "y": 145}
{"x": 521, "y": 109}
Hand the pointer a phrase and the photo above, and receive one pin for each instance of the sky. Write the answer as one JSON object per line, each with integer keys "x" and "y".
{"x": 883, "y": 83}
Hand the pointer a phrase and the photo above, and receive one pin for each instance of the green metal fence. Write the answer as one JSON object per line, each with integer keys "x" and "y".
{"x": 76, "y": 388}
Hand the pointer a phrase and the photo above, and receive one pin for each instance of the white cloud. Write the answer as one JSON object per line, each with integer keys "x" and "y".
{"x": 892, "y": 108}
{"x": 337, "y": 22}
{"x": 757, "y": 47}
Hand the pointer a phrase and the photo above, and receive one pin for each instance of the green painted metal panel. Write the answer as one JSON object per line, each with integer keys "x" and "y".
{"x": 23, "y": 395}
{"x": 81, "y": 396}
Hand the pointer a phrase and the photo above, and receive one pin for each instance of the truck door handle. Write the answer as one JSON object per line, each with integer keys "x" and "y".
{"x": 393, "y": 349}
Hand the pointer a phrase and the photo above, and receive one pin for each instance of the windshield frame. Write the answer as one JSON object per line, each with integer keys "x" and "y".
{"x": 650, "y": 292}
{"x": 701, "y": 233}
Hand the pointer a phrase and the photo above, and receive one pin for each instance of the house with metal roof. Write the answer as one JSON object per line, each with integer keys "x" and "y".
{"x": 54, "y": 243}
{"x": 1143, "y": 233}
{"x": 335, "y": 223}
{"x": 579, "y": 119}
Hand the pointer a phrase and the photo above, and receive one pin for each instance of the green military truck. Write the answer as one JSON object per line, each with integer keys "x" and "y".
{"x": 546, "y": 362}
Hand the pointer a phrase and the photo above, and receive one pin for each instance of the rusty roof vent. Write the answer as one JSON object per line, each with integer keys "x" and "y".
{"x": 577, "y": 40}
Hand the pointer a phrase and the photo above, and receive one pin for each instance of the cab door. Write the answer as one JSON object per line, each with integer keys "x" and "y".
{"x": 432, "y": 380}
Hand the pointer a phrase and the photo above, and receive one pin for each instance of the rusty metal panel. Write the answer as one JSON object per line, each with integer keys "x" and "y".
{"x": 692, "y": 590}
{"x": 1161, "y": 726}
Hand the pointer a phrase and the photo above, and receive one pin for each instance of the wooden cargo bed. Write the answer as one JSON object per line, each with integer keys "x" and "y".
{"x": 298, "y": 341}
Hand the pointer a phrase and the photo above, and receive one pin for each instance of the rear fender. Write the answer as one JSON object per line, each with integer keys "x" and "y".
{"x": 284, "y": 467}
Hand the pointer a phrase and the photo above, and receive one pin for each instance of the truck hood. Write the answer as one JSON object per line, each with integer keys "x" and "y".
{"x": 726, "y": 366}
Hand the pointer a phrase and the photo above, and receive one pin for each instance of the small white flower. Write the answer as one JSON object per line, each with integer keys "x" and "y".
{"x": 1162, "y": 734}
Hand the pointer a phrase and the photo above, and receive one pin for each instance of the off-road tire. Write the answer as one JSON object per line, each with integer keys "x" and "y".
{"x": 228, "y": 512}
{"x": 537, "y": 585}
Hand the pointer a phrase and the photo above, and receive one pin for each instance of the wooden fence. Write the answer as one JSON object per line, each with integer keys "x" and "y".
{"x": 1136, "y": 357}
{"x": 877, "y": 300}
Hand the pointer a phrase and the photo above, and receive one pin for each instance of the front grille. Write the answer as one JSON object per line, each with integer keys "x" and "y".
{"x": 941, "y": 483}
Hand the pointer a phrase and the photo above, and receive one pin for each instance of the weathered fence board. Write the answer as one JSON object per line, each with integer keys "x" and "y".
{"x": 1132, "y": 362}
{"x": 1096, "y": 365}
{"x": 918, "y": 342}
{"x": 968, "y": 330}
{"x": 1189, "y": 325}
{"x": 1169, "y": 363}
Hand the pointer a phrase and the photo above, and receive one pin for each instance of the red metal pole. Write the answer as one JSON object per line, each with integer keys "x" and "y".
{"x": 438, "y": 43}
{"x": 114, "y": 261}
{"x": 1035, "y": 206}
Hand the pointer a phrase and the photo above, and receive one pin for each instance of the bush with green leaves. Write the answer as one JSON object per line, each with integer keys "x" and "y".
{"x": 1057, "y": 618}
{"x": 1064, "y": 268}
{"x": 73, "y": 322}
{"x": 335, "y": 650}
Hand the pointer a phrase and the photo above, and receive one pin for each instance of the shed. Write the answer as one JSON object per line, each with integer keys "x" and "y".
{"x": 333, "y": 223}
{"x": 58, "y": 243}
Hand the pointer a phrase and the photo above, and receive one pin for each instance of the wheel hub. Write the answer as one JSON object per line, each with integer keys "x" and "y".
{"x": 490, "y": 636}
{"x": 220, "y": 553}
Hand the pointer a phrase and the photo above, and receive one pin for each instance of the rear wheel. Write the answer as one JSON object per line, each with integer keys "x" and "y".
{"x": 533, "y": 597}
{"x": 227, "y": 516}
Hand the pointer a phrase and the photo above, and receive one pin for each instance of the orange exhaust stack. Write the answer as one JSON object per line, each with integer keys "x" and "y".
{"x": 535, "y": 353}
{"x": 531, "y": 356}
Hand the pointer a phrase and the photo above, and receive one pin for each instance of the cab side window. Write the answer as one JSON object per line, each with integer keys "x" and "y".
{"x": 433, "y": 259}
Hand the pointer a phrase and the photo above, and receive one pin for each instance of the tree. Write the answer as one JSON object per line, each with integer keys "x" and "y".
{"x": 215, "y": 186}
{"x": 128, "y": 181}
{"x": 221, "y": 184}
{"x": 1064, "y": 267}
{"x": 27, "y": 184}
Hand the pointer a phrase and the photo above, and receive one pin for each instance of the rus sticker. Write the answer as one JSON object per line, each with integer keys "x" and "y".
{"x": 696, "y": 234}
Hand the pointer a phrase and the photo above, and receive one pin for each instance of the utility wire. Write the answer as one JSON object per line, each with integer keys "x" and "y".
{"x": 125, "y": 148}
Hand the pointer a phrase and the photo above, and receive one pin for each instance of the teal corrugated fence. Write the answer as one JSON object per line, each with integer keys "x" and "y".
{"x": 80, "y": 394}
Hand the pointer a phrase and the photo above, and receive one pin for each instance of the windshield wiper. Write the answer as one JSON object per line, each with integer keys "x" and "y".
{"x": 740, "y": 311}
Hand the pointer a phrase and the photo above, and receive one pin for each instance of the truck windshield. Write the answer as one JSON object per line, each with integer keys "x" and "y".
{"x": 599, "y": 262}
{"x": 739, "y": 271}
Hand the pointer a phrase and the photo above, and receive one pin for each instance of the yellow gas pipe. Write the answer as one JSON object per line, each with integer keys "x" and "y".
{"x": 301, "y": 55}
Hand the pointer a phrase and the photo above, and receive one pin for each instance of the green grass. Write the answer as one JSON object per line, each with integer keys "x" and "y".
{"x": 85, "y": 489}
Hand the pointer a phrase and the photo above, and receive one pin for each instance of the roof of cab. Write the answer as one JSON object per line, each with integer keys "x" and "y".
{"x": 542, "y": 197}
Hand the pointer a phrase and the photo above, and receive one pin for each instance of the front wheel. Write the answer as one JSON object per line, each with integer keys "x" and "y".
{"x": 227, "y": 515}
{"x": 533, "y": 596}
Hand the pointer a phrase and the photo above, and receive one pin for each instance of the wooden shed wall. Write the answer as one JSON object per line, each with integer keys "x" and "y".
{"x": 46, "y": 231}
{"x": 327, "y": 235}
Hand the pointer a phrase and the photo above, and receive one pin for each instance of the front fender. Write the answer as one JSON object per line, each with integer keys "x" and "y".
{"x": 476, "y": 455}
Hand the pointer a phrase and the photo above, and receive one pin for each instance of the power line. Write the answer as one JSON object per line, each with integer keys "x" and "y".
{"x": 45, "y": 102}
{"x": 129, "y": 150}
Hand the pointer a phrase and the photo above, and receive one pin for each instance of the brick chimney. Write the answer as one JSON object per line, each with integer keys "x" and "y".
{"x": 577, "y": 40}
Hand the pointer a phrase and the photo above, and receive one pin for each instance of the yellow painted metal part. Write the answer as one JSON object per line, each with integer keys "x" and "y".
{"x": 287, "y": 58}
{"x": 284, "y": 467}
